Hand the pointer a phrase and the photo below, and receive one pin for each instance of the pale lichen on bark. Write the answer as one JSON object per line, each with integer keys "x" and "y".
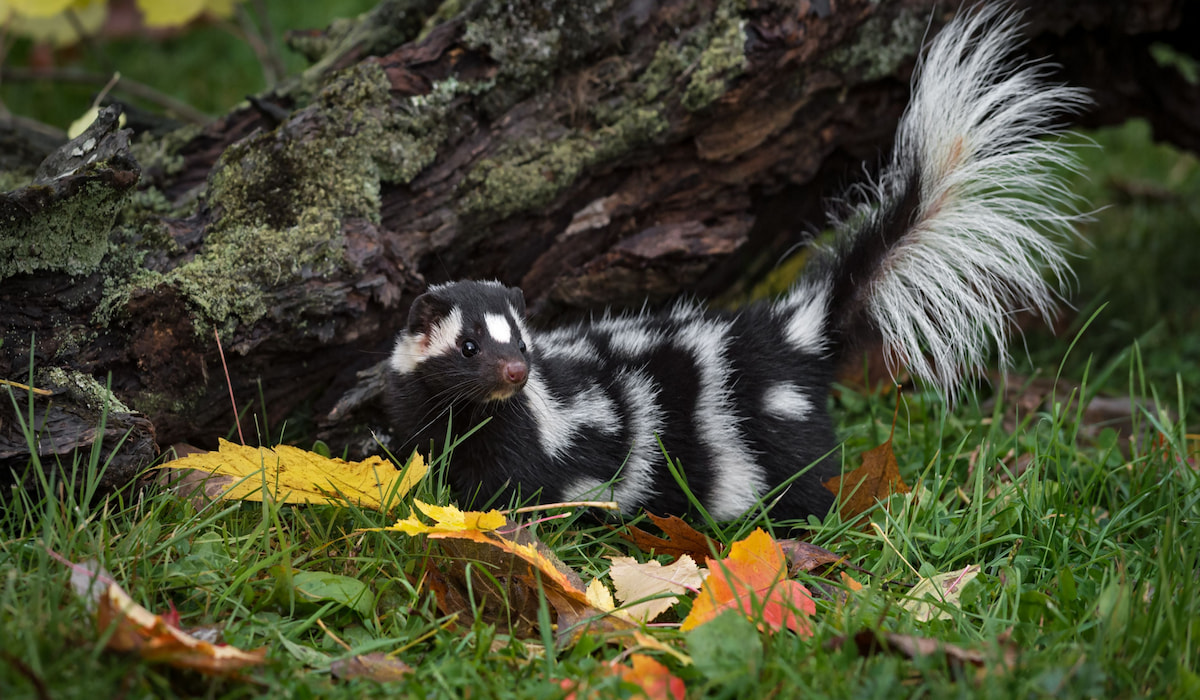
{"x": 691, "y": 70}
{"x": 881, "y": 45}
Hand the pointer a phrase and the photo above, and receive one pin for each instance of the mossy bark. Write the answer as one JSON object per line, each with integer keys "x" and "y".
{"x": 594, "y": 155}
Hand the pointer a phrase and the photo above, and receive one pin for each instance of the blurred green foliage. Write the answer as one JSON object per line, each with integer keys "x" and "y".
{"x": 1138, "y": 258}
{"x": 207, "y": 65}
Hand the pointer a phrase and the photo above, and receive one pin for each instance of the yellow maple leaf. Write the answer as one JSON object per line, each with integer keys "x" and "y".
{"x": 448, "y": 519}
{"x": 175, "y": 13}
{"x": 599, "y": 596}
{"x": 40, "y": 8}
{"x": 291, "y": 475}
{"x": 44, "y": 21}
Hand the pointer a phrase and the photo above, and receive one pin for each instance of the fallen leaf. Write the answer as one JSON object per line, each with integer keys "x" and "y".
{"x": 655, "y": 679}
{"x": 682, "y": 539}
{"x": 870, "y": 642}
{"x": 850, "y": 582}
{"x": 288, "y": 474}
{"x": 752, "y": 580}
{"x": 641, "y": 588}
{"x": 942, "y": 588}
{"x": 448, "y": 519}
{"x": 376, "y": 666}
{"x": 134, "y": 628}
{"x": 519, "y": 568}
{"x": 323, "y": 586}
{"x": 600, "y": 598}
{"x": 642, "y": 640}
{"x": 805, "y": 556}
{"x": 876, "y": 480}
{"x": 491, "y": 594}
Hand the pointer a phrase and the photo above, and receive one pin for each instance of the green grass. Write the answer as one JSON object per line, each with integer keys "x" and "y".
{"x": 1088, "y": 557}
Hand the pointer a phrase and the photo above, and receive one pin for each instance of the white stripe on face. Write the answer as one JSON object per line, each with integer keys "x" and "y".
{"x": 498, "y": 327}
{"x": 444, "y": 336}
{"x": 413, "y": 349}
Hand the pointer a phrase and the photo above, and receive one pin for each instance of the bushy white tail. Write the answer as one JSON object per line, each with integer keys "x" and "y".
{"x": 963, "y": 227}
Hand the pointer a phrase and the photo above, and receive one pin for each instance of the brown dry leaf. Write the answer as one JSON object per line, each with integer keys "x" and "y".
{"x": 377, "y": 666}
{"x": 152, "y": 636}
{"x": 292, "y": 475}
{"x": 499, "y": 598}
{"x": 682, "y": 539}
{"x": 871, "y": 642}
{"x": 641, "y": 587}
{"x": 805, "y": 556}
{"x": 876, "y": 480}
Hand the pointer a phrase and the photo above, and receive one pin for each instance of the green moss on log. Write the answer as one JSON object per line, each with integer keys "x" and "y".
{"x": 70, "y": 236}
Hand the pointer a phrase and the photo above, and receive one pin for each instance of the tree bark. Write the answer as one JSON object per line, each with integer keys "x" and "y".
{"x": 601, "y": 156}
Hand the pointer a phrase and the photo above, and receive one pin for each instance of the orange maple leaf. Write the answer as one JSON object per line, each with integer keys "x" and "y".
{"x": 128, "y": 626}
{"x": 753, "y": 580}
{"x": 655, "y": 681}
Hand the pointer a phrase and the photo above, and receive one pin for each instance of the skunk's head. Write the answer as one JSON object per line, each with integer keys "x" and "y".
{"x": 466, "y": 341}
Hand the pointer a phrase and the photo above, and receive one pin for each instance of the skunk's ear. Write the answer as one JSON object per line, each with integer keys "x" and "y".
{"x": 427, "y": 310}
{"x": 517, "y": 298}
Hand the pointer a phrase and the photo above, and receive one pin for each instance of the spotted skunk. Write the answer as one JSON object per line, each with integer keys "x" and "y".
{"x": 959, "y": 230}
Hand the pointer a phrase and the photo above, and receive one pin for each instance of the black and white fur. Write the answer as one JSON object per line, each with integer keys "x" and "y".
{"x": 959, "y": 230}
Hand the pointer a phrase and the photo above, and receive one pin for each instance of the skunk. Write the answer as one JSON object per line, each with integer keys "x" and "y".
{"x": 960, "y": 229}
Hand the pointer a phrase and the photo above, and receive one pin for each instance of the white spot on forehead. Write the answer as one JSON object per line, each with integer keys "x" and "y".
{"x": 498, "y": 327}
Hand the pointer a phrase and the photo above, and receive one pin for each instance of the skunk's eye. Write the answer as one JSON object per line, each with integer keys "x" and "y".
{"x": 521, "y": 346}
{"x": 469, "y": 348}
